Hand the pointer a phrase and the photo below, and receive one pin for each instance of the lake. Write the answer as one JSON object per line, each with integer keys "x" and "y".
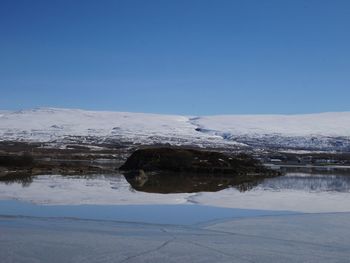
{"x": 112, "y": 197}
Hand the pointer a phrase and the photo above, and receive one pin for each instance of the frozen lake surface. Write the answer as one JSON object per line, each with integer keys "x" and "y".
{"x": 100, "y": 218}
{"x": 150, "y": 214}
{"x": 310, "y": 238}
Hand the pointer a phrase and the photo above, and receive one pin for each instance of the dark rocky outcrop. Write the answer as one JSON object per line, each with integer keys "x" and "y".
{"x": 16, "y": 160}
{"x": 178, "y": 170}
{"x": 15, "y": 166}
{"x": 192, "y": 161}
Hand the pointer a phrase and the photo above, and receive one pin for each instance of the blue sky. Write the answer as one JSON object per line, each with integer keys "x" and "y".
{"x": 176, "y": 56}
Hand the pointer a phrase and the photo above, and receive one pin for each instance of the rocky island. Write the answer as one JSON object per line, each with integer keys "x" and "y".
{"x": 179, "y": 170}
{"x": 193, "y": 161}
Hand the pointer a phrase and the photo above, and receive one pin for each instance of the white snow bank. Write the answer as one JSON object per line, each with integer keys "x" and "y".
{"x": 325, "y": 124}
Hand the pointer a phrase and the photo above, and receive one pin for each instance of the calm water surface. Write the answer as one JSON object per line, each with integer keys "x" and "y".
{"x": 176, "y": 201}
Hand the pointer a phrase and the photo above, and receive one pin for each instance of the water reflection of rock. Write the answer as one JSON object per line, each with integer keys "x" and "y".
{"x": 170, "y": 182}
{"x": 24, "y": 180}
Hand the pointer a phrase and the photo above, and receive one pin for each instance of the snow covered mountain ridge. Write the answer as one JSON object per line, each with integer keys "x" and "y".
{"x": 323, "y": 131}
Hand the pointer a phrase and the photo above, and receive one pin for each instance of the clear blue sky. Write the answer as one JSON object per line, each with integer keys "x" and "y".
{"x": 176, "y": 56}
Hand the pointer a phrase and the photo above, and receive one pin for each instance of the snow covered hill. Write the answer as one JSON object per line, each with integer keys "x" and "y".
{"x": 325, "y": 131}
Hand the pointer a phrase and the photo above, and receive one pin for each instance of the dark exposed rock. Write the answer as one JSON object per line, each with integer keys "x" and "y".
{"x": 192, "y": 161}
{"x": 16, "y": 160}
{"x": 20, "y": 165}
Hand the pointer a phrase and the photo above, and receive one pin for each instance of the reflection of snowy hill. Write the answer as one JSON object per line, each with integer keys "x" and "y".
{"x": 308, "y": 182}
{"x": 322, "y": 193}
{"x": 326, "y": 131}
